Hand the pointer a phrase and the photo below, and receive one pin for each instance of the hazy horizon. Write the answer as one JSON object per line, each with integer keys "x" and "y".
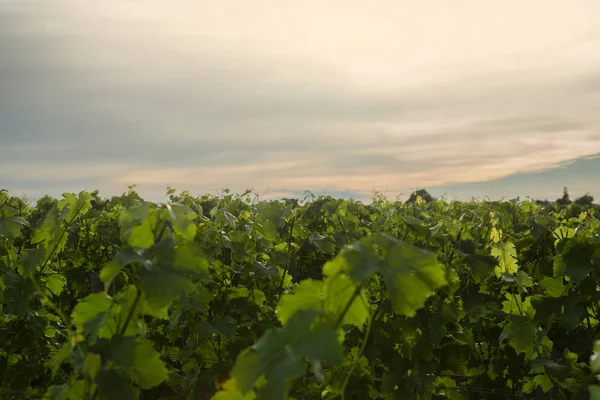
{"x": 499, "y": 99}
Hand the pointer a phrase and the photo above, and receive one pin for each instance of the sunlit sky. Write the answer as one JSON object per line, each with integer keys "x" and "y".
{"x": 463, "y": 97}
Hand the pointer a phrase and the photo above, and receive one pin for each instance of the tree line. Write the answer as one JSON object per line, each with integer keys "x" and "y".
{"x": 585, "y": 200}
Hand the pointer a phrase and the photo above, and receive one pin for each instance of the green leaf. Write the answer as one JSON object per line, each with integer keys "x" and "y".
{"x": 92, "y": 364}
{"x": 562, "y": 233}
{"x": 330, "y": 295}
{"x": 506, "y": 253}
{"x": 259, "y": 297}
{"x": 515, "y": 305}
{"x": 420, "y": 227}
{"x": 68, "y": 391}
{"x": 138, "y": 224}
{"x": 524, "y": 280}
{"x": 230, "y": 218}
{"x": 11, "y": 226}
{"x": 76, "y": 205}
{"x": 229, "y": 395}
{"x": 322, "y": 243}
{"x": 239, "y": 291}
{"x": 123, "y": 306}
{"x": 18, "y": 293}
{"x": 56, "y": 284}
{"x": 410, "y": 273}
{"x": 30, "y": 260}
{"x": 279, "y": 354}
{"x": 92, "y": 313}
{"x": 480, "y": 263}
{"x": 482, "y": 266}
{"x": 138, "y": 359}
{"x": 115, "y": 386}
{"x": 595, "y": 358}
{"x": 170, "y": 277}
{"x": 225, "y": 326}
{"x": 544, "y": 382}
{"x": 520, "y": 334}
{"x": 161, "y": 285}
{"x": 183, "y": 216}
{"x": 594, "y": 392}
{"x": 267, "y": 230}
{"x": 577, "y": 258}
{"x": 553, "y": 287}
{"x": 109, "y": 272}
{"x": 558, "y": 371}
{"x": 59, "y": 357}
{"x": 51, "y": 223}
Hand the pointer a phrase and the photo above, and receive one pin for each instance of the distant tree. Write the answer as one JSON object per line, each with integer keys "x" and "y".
{"x": 421, "y": 193}
{"x": 565, "y": 199}
{"x": 585, "y": 200}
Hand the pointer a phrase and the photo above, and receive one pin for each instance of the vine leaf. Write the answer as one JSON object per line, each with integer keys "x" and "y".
{"x": 74, "y": 390}
{"x": 115, "y": 386}
{"x": 553, "y": 287}
{"x": 98, "y": 315}
{"x": 515, "y": 305}
{"x": 56, "y": 284}
{"x": 17, "y": 294}
{"x": 542, "y": 381}
{"x": 595, "y": 358}
{"x": 410, "y": 273}
{"x": 137, "y": 224}
{"x": 506, "y": 253}
{"x": 92, "y": 364}
{"x": 280, "y": 353}
{"x": 139, "y": 360}
{"x": 331, "y": 295}
{"x": 11, "y": 226}
{"x": 230, "y": 391}
{"x": 322, "y": 243}
{"x": 577, "y": 258}
{"x": 90, "y": 315}
{"x": 520, "y": 334}
{"x": 30, "y": 259}
{"x": 49, "y": 233}
{"x": 183, "y": 217}
{"x": 170, "y": 277}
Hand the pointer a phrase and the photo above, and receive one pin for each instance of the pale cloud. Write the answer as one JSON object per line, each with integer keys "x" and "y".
{"x": 344, "y": 96}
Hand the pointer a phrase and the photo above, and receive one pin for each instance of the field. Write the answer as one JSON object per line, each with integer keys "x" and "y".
{"x": 235, "y": 298}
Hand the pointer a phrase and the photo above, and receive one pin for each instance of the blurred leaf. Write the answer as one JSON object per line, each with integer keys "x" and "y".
{"x": 410, "y": 273}
{"x": 279, "y": 354}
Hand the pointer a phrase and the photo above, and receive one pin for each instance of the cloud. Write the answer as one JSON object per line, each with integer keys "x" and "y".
{"x": 110, "y": 99}
{"x": 580, "y": 177}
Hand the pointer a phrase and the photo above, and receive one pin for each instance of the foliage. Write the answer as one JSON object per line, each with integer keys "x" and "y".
{"x": 584, "y": 200}
{"x": 231, "y": 297}
{"x": 565, "y": 199}
{"x": 422, "y": 194}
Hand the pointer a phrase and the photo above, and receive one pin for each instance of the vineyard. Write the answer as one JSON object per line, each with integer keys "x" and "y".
{"x": 231, "y": 297}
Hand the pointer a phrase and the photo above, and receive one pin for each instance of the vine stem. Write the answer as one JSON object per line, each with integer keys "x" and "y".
{"x": 291, "y": 253}
{"x": 361, "y": 351}
{"x": 338, "y": 323}
{"x": 58, "y": 312}
{"x": 138, "y": 296}
{"x": 68, "y": 225}
{"x": 348, "y": 305}
{"x": 51, "y": 304}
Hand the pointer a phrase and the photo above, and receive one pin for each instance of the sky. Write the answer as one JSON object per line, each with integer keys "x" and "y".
{"x": 467, "y": 98}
